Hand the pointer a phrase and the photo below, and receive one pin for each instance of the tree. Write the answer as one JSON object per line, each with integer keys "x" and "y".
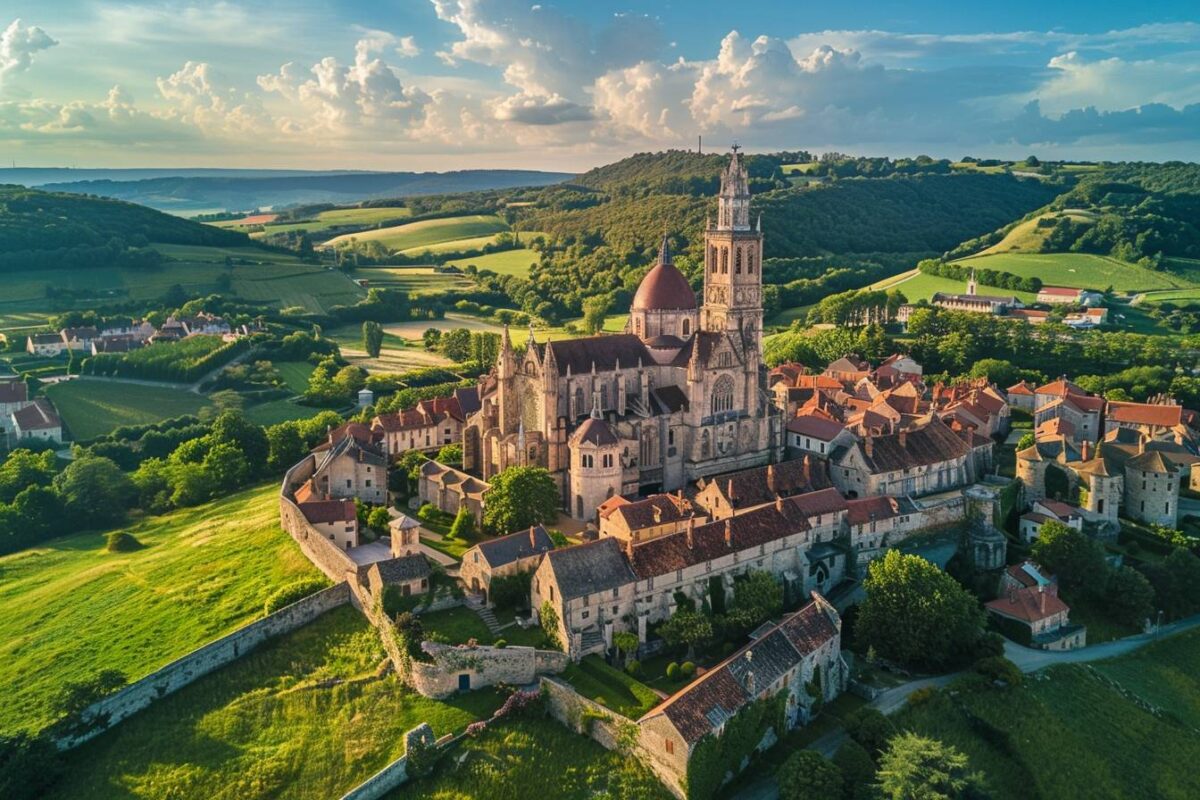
{"x": 95, "y": 491}
{"x": 285, "y": 446}
{"x": 1076, "y": 560}
{"x": 548, "y": 618}
{"x": 431, "y": 337}
{"x": 463, "y": 527}
{"x": 226, "y": 466}
{"x": 627, "y": 643}
{"x": 232, "y": 427}
{"x": 411, "y": 632}
{"x": 1130, "y": 597}
{"x": 595, "y": 311}
{"x": 917, "y": 768}
{"x": 870, "y": 728}
{"x": 456, "y": 344}
{"x": 1176, "y": 582}
{"x": 372, "y": 334}
{"x": 378, "y": 519}
{"x": 857, "y": 767}
{"x": 1025, "y": 442}
{"x": 450, "y": 454}
{"x": 807, "y": 775}
{"x": 520, "y": 497}
{"x": 25, "y": 468}
{"x": 757, "y": 598}
{"x": 29, "y": 766}
{"x": 916, "y": 614}
{"x": 690, "y": 628}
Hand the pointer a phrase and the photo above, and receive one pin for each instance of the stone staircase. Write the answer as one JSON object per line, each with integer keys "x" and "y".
{"x": 592, "y": 638}
{"x": 489, "y": 619}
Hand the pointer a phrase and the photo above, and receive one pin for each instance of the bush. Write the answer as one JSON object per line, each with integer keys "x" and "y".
{"x": 500, "y": 644}
{"x": 121, "y": 542}
{"x": 999, "y": 668}
{"x": 672, "y": 670}
{"x": 687, "y": 669}
{"x": 290, "y": 593}
{"x": 858, "y": 769}
{"x": 922, "y": 695}
{"x": 870, "y": 728}
{"x": 634, "y": 667}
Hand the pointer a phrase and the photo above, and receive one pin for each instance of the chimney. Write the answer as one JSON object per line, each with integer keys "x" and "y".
{"x": 868, "y": 445}
{"x": 750, "y": 687}
{"x": 771, "y": 478}
{"x": 729, "y": 492}
{"x": 1041, "y": 599}
{"x": 691, "y": 533}
{"x": 729, "y": 532}
{"x": 1085, "y": 452}
{"x": 1141, "y": 444}
{"x": 779, "y": 503}
{"x": 903, "y": 438}
{"x": 532, "y": 538}
{"x": 629, "y": 548}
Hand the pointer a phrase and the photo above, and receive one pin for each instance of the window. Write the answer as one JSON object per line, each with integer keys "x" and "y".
{"x": 687, "y": 327}
{"x": 722, "y": 396}
{"x": 615, "y": 611}
{"x": 586, "y": 461}
{"x": 349, "y": 484}
{"x": 368, "y": 483}
{"x": 750, "y": 262}
{"x": 671, "y": 437}
{"x": 669, "y": 746}
{"x": 552, "y": 594}
{"x": 737, "y": 261}
{"x": 615, "y": 590}
{"x": 584, "y": 614}
{"x": 724, "y": 261}
{"x": 712, "y": 259}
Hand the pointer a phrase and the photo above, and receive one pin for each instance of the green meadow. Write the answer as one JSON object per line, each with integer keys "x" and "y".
{"x": 425, "y": 233}
{"x": 305, "y": 716}
{"x": 92, "y": 408}
{"x": 1081, "y": 270}
{"x": 336, "y": 218}
{"x": 508, "y": 262}
{"x": 71, "y": 609}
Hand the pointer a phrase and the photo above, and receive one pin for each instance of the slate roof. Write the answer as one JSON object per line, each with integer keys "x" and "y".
{"x": 326, "y": 511}
{"x": 823, "y": 501}
{"x": 45, "y": 338}
{"x": 38, "y": 415}
{"x": 714, "y": 698}
{"x": 595, "y": 431}
{"x": 669, "y": 399}
{"x": 515, "y": 546}
{"x": 585, "y": 569}
{"x": 402, "y": 569}
{"x": 816, "y": 427}
{"x": 352, "y": 447}
{"x": 602, "y": 351}
{"x": 13, "y": 392}
{"x": 658, "y": 509}
{"x": 468, "y": 400}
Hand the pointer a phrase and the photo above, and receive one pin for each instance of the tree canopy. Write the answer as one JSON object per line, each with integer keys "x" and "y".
{"x": 520, "y": 497}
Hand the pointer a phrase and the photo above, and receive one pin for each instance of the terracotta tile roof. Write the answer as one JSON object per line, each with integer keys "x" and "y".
{"x": 1021, "y": 388}
{"x": 877, "y": 507}
{"x": 1144, "y": 414}
{"x": 931, "y": 444}
{"x": 610, "y": 505}
{"x": 1028, "y": 605}
{"x": 699, "y": 543}
{"x": 1055, "y": 426}
{"x": 13, "y": 392}
{"x": 1060, "y": 291}
{"x": 658, "y": 509}
{"x": 38, "y": 415}
{"x": 515, "y": 546}
{"x": 1060, "y": 509}
{"x": 815, "y": 426}
{"x": 824, "y": 501}
{"x": 589, "y": 568}
{"x": 1059, "y": 388}
{"x": 752, "y": 487}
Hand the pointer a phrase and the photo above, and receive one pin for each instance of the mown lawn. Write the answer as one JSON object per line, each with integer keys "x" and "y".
{"x": 1076, "y": 269}
{"x": 509, "y": 262}
{"x": 70, "y": 609}
{"x": 610, "y": 687}
{"x": 295, "y": 374}
{"x": 92, "y": 408}
{"x": 304, "y": 716}
{"x": 1069, "y": 732}
{"x": 534, "y": 758}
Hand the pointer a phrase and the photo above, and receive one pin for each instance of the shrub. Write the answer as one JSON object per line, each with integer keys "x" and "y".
{"x": 500, "y": 644}
{"x": 634, "y": 667}
{"x": 672, "y": 670}
{"x": 290, "y": 593}
{"x": 922, "y": 695}
{"x": 999, "y": 668}
{"x": 870, "y": 728}
{"x": 121, "y": 542}
{"x": 687, "y": 669}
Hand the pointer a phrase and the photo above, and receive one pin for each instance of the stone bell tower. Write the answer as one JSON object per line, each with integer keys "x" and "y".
{"x": 733, "y": 261}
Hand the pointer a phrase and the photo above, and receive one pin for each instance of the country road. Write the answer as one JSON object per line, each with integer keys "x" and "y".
{"x": 1027, "y": 659}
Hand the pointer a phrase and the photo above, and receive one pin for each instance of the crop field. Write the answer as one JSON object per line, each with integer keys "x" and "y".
{"x": 273, "y": 412}
{"x": 509, "y": 262}
{"x": 72, "y": 609}
{"x": 1081, "y": 270}
{"x": 425, "y": 233}
{"x": 414, "y": 280}
{"x": 92, "y": 408}
{"x": 1172, "y": 296}
{"x": 533, "y": 758}
{"x": 305, "y": 716}
{"x": 1078, "y": 731}
{"x": 257, "y": 275}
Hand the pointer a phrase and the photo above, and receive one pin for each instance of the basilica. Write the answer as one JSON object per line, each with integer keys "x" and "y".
{"x": 680, "y": 395}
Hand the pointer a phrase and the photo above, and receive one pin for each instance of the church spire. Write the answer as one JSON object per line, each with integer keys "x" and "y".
{"x": 664, "y": 251}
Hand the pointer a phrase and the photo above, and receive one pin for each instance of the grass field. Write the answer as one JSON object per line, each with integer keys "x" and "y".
{"x": 303, "y": 717}
{"x": 509, "y": 262}
{"x": 1081, "y": 270}
{"x": 610, "y": 687}
{"x": 533, "y": 758}
{"x": 414, "y": 280}
{"x": 334, "y": 218}
{"x": 425, "y": 233}
{"x": 1027, "y": 237}
{"x": 295, "y": 373}
{"x": 275, "y": 411}
{"x": 917, "y": 286}
{"x": 92, "y": 408}
{"x": 1076, "y": 731}
{"x": 72, "y": 609}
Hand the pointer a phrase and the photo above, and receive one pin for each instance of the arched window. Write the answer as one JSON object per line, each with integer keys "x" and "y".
{"x": 580, "y": 409}
{"x": 724, "y": 260}
{"x": 687, "y": 327}
{"x": 750, "y": 261}
{"x": 722, "y": 395}
{"x": 737, "y": 261}
{"x": 712, "y": 258}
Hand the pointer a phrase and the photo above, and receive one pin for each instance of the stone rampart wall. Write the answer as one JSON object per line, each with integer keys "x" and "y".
{"x": 183, "y": 671}
{"x": 582, "y": 714}
{"x": 484, "y": 666}
{"x": 327, "y": 556}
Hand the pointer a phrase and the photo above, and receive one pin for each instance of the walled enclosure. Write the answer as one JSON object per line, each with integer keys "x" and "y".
{"x": 103, "y": 714}
{"x": 483, "y": 666}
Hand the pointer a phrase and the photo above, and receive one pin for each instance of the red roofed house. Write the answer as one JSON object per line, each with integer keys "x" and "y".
{"x": 802, "y": 651}
{"x": 429, "y": 425}
{"x": 38, "y": 420}
{"x": 1021, "y": 396}
{"x": 649, "y": 517}
{"x": 1044, "y": 511}
{"x": 1059, "y": 295}
{"x": 815, "y": 434}
{"x": 14, "y": 395}
{"x": 1152, "y": 419}
{"x": 1063, "y": 399}
{"x": 879, "y": 522}
{"x": 1030, "y": 611}
{"x": 334, "y": 518}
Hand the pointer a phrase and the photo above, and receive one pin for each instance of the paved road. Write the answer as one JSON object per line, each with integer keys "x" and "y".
{"x": 1027, "y": 659}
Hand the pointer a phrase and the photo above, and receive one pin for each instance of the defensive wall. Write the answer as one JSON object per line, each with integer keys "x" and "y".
{"x": 482, "y": 666}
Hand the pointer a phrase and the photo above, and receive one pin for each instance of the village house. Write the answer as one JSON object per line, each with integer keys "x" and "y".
{"x": 974, "y": 403}
{"x": 1030, "y": 611}
{"x": 503, "y": 556}
{"x": 351, "y": 468}
{"x": 428, "y": 426}
{"x": 814, "y": 434}
{"x": 1063, "y": 295}
{"x": 449, "y": 489}
{"x": 37, "y": 420}
{"x": 971, "y": 303}
{"x": 333, "y": 518}
{"x": 929, "y": 459}
{"x": 847, "y": 369}
{"x": 79, "y": 339}
{"x": 45, "y": 344}
{"x": 725, "y": 495}
{"x": 115, "y": 344}
{"x": 410, "y": 574}
{"x": 14, "y": 396}
{"x": 801, "y": 652}
{"x": 1043, "y": 511}
{"x": 1063, "y": 399}
{"x": 879, "y": 522}
{"x": 1087, "y": 319}
{"x": 1021, "y": 395}
{"x": 648, "y": 517}
{"x": 1159, "y": 417}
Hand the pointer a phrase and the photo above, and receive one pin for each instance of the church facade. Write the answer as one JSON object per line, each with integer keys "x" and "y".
{"x": 679, "y": 395}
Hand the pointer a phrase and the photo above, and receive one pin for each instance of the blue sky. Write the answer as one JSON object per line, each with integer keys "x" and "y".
{"x": 444, "y": 84}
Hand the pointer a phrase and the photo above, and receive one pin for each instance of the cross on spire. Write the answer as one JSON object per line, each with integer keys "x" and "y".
{"x": 735, "y": 147}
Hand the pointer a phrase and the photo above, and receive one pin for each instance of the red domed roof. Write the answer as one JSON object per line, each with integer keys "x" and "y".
{"x": 664, "y": 288}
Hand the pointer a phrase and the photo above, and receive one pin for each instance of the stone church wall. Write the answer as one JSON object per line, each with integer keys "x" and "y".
{"x": 183, "y": 671}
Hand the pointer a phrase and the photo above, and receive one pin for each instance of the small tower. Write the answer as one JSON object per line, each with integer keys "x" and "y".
{"x": 972, "y": 284}
{"x": 733, "y": 261}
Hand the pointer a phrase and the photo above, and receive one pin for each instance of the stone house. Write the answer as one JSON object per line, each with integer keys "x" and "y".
{"x": 449, "y": 489}
{"x": 1154, "y": 419}
{"x": 649, "y": 517}
{"x": 45, "y": 344}
{"x": 800, "y": 659}
{"x": 79, "y": 339}
{"x": 848, "y": 369}
{"x": 1044, "y": 511}
{"x": 1021, "y": 395}
{"x": 404, "y": 534}
{"x": 815, "y": 434}
{"x": 929, "y": 459}
{"x": 411, "y": 574}
{"x": 591, "y": 587}
{"x": 351, "y": 468}
{"x": 14, "y": 395}
{"x": 725, "y": 495}
{"x": 335, "y": 519}
{"x": 429, "y": 425}
{"x": 825, "y": 511}
{"x": 38, "y": 420}
{"x": 879, "y": 522}
{"x": 1062, "y": 398}
{"x": 1029, "y": 606}
{"x": 501, "y": 557}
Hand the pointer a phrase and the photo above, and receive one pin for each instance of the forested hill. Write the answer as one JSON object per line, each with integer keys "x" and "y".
{"x": 54, "y": 230}
{"x": 677, "y": 172}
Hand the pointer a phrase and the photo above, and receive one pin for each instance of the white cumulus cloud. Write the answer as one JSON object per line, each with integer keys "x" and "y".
{"x": 18, "y": 43}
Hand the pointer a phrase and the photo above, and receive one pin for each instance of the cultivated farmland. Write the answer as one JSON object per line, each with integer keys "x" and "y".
{"x": 72, "y": 609}
{"x": 424, "y": 233}
{"x": 92, "y": 408}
